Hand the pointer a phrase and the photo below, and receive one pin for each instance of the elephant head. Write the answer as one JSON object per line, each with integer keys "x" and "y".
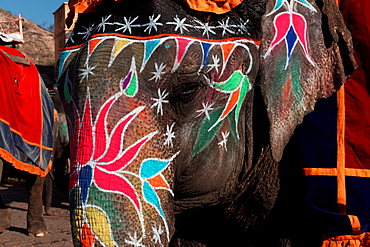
{"x": 159, "y": 98}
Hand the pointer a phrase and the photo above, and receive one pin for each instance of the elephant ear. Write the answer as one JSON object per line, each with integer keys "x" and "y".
{"x": 306, "y": 55}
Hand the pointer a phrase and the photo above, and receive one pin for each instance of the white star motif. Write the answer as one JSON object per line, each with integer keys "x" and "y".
{"x": 205, "y": 26}
{"x": 157, "y": 234}
{"x": 180, "y": 24}
{"x": 170, "y": 135}
{"x": 222, "y": 144}
{"x": 103, "y": 23}
{"x": 134, "y": 241}
{"x": 86, "y": 72}
{"x": 215, "y": 64}
{"x": 159, "y": 102}
{"x": 152, "y": 23}
{"x": 88, "y": 31}
{"x": 225, "y": 26}
{"x": 70, "y": 39}
{"x": 128, "y": 24}
{"x": 242, "y": 27}
{"x": 206, "y": 109}
{"x": 158, "y": 72}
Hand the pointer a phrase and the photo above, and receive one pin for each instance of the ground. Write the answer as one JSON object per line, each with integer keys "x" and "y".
{"x": 59, "y": 231}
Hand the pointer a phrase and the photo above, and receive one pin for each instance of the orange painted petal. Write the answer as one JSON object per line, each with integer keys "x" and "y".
{"x": 226, "y": 49}
{"x": 87, "y": 237}
{"x": 92, "y": 45}
{"x": 234, "y": 97}
{"x": 158, "y": 182}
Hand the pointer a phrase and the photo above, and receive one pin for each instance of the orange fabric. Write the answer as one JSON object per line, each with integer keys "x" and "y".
{"x": 84, "y": 6}
{"x": 213, "y": 6}
{"x": 363, "y": 173}
{"x": 356, "y": 225}
{"x": 362, "y": 240}
{"x": 55, "y": 115}
{"x": 81, "y": 6}
{"x": 22, "y": 165}
{"x": 341, "y": 178}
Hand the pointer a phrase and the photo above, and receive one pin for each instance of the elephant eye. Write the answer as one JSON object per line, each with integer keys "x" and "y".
{"x": 186, "y": 92}
{"x": 187, "y": 86}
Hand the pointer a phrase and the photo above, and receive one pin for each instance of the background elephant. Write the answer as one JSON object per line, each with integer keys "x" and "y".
{"x": 179, "y": 112}
{"x": 26, "y": 122}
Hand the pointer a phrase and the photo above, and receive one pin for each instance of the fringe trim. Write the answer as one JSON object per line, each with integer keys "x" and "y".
{"x": 24, "y": 166}
{"x": 362, "y": 240}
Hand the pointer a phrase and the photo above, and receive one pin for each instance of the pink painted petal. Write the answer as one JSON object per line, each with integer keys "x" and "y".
{"x": 300, "y": 27}
{"x": 85, "y": 144}
{"x": 127, "y": 156}
{"x": 116, "y": 138}
{"x": 100, "y": 129}
{"x": 116, "y": 184}
{"x": 282, "y": 25}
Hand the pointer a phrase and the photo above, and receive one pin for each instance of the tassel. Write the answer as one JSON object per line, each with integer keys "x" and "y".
{"x": 361, "y": 240}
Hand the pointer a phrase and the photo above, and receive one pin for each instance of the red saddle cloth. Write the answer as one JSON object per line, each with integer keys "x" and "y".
{"x": 26, "y": 114}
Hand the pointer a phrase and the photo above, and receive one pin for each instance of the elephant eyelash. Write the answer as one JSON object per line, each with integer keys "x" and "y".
{"x": 186, "y": 92}
{"x": 187, "y": 86}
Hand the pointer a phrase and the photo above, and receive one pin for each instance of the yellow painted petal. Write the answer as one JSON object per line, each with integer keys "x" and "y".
{"x": 119, "y": 45}
{"x": 99, "y": 224}
{"x": 77, "y": 223}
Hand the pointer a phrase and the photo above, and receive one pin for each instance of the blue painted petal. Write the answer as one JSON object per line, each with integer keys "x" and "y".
{"x": 62, "y": 58}
{"x": 151, "y": 167}
{"x": 291, "y": 39}
{"x": 151, "y": 196}
{"x": 206, "y": 46}
{"x": 150, "y": 46}
{"x": 278, "y": 4}
{"x": 84, "y": 180}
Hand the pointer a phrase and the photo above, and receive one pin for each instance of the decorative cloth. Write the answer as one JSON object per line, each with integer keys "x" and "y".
{"x": 26, "y": 114}
{"x": 338, "y": 168}
{"x": 212, "y": 6}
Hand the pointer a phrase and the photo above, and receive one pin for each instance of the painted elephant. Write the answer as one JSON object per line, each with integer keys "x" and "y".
{"x": 179, "y": 112}
{"x": 26, "y": 140}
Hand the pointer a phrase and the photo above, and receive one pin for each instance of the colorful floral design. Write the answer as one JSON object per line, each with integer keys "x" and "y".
{"x": 237, "y": 85}
{"x": 290, "y": 27}
{"x": 101, "y": 161}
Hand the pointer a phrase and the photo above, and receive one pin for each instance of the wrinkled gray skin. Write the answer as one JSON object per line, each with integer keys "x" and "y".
{"x": 223, "y": 195}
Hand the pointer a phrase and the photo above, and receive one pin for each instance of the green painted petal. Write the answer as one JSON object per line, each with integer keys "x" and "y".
{"x": 67, "y": 95}
{"x": 230, "y": 84}
{"x": 205, "y": 136}
{"x": 99, "y": 224}
{"x": 245, "y": 88}
{"x": 133, "y": 86}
